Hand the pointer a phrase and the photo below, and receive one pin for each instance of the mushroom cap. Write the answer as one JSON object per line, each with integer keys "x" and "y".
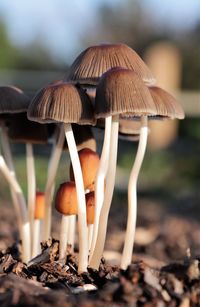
{"x": 95, "y": 60}
{"x": 39, "y": 205}
{"x": 13, "y": 100}
{"x": 90, "y": 206}
{"x": 22, "y": 130}
{"x": 63, "y": 102}
{"x": 121, "y": 91}
{"x": 84, "y": 137}
{"x": 66, "y": 199}
{"x": 89, "y": 161}
{"x": 167, "y": 106}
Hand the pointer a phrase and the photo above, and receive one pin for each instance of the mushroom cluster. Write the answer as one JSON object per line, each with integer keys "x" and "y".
{"x": 108, "y": 86}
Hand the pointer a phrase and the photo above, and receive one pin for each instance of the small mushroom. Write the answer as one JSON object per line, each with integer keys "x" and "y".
{"x": 66, "y": 204}
{"x": 38, "y": 217}
{"x": 89, "y": 161}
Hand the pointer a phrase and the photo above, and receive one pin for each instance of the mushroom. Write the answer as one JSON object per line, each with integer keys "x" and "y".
{"x": 90, "y": 204}
{"x": 22, "y": 130}
{"x": 166, "y": 107}
{"x": 67, "y": 103}
{"x": 89, "y": 161}
{"x": 121, "y": 92}
{"x": 66, "y": 204}
{"x": 87, "y": 70}
{"x": 12, "y": 101}
{"x": 38, "y": 217}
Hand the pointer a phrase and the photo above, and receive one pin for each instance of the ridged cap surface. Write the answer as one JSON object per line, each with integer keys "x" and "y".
{"x": 95, "y": 60}
{"x": 63, "y": 102}
{"x": 166, "y": 104}
{"x": 121, "y": 91}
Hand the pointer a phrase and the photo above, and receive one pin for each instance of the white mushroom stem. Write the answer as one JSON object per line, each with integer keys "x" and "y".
{"x": 36, "y": 238}
{"x": 63, "y": 236}
{"x": 132, "y": 196}
{"x": 52, "y": 170}
{"x": 25, "y": 226}
{"x": 100, "y": 180}
{"x": 110, "y": 182}
{"x": 71, "y": 231}
{"x": 31, "y": 184}
{"x": 82, "y": 224}
{"x": 9, "y": 161}
{"x": 90, "y": 233}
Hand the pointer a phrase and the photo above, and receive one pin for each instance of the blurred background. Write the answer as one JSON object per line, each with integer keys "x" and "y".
{"x": 39, "y": 41}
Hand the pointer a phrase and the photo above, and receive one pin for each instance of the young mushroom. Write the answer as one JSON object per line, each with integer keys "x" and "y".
{"x": 121, "y": 92}
{"x": 66, "y": 204}
{"x": 87, "y": 69}
{"x": 67, "y": 103}
{"x": 38, "y": 217}
{"x": 89, "y": 161}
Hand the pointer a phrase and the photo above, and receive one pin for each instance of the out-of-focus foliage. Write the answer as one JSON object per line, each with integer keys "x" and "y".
{"x": 34, "y": 57}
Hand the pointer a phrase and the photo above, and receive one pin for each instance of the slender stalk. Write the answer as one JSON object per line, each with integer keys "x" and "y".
{"x": 132, "y": 196}
{"x": 110, "y": 182}
{"x": 100, "y": 180}
{"x": 36, "y": 238}
{"x": 31, "y": 183}
{"x": 49, "y": 189}
{"x": 63, "y": 236}
{"x": 9, "y": 161}
{"x": 71, "y": 231}
{"x": 90, "y": 233}
{"x": 82, "y": 224}
{"x": 25, "y": 226}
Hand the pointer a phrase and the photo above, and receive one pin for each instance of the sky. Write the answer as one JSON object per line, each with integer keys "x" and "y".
{"x": 60, "y": 24}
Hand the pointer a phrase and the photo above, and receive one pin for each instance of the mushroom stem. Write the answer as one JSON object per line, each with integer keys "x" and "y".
{"x": 9, "y": 160}
{"x": 36, "y": 237}
{"x": 63, "y": 236}
{"x": 25, "y": 226}
{"x": 31, "y": 182}
{"x": 82, "y": 222}
{"x": 71, "y": 231}
{"x": 90, "y": 234}
{"x": 132, "y": 196}
{"x": 100, "y": 180}
{"x": 110, "y": 182}
{"x": 52, "y": 170}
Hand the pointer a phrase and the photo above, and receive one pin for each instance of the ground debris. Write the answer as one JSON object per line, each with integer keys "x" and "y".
{"x": 45, "y": 277}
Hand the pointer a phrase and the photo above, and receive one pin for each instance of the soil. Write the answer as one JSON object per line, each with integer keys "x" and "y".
{"x": 165, "y": 270}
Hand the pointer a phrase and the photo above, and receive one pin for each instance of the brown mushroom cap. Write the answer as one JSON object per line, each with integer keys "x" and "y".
{"x": 13, "y": 100}
{"x": 121, "y": 91}
{"x": 89, "y": 161}
{"x": 63, "y": 102}
{"x": 167, "y": 106}
{"x": 22, "y": 130}
{"x": 94, "y": 61}
{"x": 66, "y": 199}
{"x": 90, "y": 206}
{"x": 39, "y": 206}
